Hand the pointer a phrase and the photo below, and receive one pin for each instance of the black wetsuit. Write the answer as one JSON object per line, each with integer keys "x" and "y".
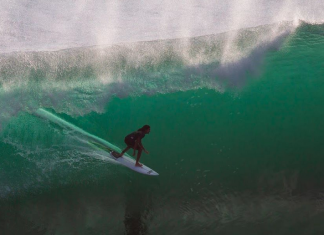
{"x": 131, "y": 138}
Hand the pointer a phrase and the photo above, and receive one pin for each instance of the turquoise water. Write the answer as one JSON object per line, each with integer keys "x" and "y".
{"x": 239, "y": 148}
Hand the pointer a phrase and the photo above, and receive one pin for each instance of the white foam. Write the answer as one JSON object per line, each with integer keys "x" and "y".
{"x": 44, "y": 25}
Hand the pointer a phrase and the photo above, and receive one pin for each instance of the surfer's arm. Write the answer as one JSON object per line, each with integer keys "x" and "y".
{"x": 141, "y": 145}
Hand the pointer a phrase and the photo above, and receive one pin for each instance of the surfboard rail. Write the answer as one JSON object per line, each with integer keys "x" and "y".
{"x": 125, "y": 160}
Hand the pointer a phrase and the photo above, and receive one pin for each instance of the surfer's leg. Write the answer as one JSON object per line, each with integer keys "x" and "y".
{"x": 138, "y": 157}
{"x": 124, "y": 151}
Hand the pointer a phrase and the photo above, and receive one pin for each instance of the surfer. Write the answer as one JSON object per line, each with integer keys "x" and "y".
{"x": 134, "y": 141}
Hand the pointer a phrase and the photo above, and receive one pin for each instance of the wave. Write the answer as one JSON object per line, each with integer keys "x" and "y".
{"x": 78, "y": 81}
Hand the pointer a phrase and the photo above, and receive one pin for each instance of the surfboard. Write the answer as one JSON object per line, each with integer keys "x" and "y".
{"x": 125, "y": 160}
{"x": 97, "y": 143}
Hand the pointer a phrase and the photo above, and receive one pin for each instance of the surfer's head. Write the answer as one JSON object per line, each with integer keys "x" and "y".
{"x": 146, "y": 129}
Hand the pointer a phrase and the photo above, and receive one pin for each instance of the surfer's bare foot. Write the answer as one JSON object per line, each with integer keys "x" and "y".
{"x": 138, "y": 164}
{"x": 116, "y": 155}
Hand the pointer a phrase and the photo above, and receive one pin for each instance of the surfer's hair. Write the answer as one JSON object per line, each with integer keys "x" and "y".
{"x": 144, "y": 128}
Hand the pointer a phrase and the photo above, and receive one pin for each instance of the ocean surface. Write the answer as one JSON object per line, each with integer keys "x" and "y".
{"x": 233, "y": 92}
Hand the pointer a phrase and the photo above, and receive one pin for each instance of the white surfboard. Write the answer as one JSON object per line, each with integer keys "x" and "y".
{"x": 125, "y": 160}
{"x": 97, "y": 143}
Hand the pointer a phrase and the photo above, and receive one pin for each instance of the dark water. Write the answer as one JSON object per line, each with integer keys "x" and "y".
{"x": 239, "y": 148}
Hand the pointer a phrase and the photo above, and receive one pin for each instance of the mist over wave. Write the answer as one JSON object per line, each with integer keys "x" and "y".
{"x": 131, "y": 60}
{"x": 78, "y": 81}
{"x": 40, "y": 26}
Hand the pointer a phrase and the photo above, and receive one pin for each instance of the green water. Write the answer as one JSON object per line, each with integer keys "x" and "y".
{"x": 247, "y": 160}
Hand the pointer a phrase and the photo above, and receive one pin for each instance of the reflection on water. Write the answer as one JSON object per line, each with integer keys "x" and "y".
{"x": 137, "y": 208}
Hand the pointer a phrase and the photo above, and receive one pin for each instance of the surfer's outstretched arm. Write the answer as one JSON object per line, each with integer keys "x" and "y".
{"x": 142, "y": 147}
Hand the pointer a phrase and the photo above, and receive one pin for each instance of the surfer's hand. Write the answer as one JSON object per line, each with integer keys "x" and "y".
{"x": 147, "y": 152}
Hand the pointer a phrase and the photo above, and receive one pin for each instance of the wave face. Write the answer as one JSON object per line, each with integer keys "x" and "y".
{"x": 236, "y": 123}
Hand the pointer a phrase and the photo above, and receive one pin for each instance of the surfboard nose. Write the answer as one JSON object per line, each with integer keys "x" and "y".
{"x": 151, "y": 172}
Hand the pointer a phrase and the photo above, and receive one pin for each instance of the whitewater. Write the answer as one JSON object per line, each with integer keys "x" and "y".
{"x": 233, "y": 92}
{"x": 43, "y": 26}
